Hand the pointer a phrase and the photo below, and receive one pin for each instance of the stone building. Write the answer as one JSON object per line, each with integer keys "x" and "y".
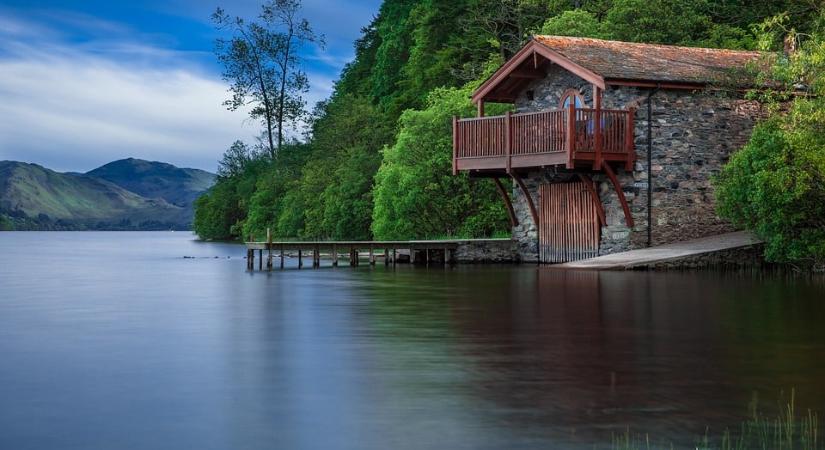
{"x": 651, "y": 125}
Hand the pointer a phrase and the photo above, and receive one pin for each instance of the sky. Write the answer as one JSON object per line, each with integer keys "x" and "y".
{"x": 86, "y": 82}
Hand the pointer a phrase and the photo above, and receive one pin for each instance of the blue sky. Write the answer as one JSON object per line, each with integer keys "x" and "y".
{"x": 83, "y": 83}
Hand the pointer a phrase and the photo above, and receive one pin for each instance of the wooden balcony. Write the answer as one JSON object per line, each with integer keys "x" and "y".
{"x": 546, "y": 138}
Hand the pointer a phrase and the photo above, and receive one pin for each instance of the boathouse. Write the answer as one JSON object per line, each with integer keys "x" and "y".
{"x": 611, "y": 146}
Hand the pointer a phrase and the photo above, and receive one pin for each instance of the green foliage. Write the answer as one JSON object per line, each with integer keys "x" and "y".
{"x": 577, "y": 22}
{"x": 775, "y": 185}
{"x": 220, "y": 213}
{"x": 377, "y": 159}
{"x": 657, "y": 21}
{"x": 416, "y": 194}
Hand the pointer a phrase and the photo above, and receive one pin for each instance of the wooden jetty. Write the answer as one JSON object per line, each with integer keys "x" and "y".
{"x": 420, "y": 252}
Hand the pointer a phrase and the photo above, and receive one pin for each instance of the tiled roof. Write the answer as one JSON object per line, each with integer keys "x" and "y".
{"x": 650, "y": 62}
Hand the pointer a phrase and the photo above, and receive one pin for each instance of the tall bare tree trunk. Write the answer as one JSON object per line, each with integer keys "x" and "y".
{"x": 282, "y": 94}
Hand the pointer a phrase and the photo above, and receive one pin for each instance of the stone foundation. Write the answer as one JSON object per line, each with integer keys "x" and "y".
{"x": 487, "y": 251}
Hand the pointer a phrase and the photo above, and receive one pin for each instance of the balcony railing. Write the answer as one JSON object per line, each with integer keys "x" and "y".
{"x": 544, "y": 138}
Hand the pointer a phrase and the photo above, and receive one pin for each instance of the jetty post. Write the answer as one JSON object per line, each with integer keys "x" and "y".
{"x": 269, "y": 249}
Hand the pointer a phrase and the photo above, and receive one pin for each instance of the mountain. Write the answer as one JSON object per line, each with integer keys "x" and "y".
{"x": 117, "y": 196}
{"x": 152, "y": 179}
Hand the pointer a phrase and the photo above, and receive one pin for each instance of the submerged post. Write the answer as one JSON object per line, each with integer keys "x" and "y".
{"x": 300, "y": 259}
{"x": 372, "y": 256}
{"x": 282, "y": 256}
{"x": 269, "y": 249}
{"x": 334, "y": 255}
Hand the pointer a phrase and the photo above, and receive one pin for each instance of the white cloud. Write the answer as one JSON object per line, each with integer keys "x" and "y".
{"x": 76, "y": 107}
{"x": 74, "y": 111}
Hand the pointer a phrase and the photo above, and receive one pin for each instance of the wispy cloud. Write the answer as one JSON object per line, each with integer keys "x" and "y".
{"x": 73, "y": 106}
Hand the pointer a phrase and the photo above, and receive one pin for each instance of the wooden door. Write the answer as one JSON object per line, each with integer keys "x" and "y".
{"x": 568, "y": 223}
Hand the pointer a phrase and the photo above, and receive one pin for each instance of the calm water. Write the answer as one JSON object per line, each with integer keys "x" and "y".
{"x": 115, "y": 341}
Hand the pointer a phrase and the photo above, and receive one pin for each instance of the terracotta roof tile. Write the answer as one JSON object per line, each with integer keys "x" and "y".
{"x": 650, "y": 62}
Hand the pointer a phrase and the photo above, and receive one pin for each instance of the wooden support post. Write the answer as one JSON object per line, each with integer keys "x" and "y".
{"x": 594, "y": 195}
{"x": 528, "y": 198}
{"x": 455, "y": 144}
{"x": 386, "y": 257}
{"x": 282, "y": 256}
{"x": 508, "y": 140}
{"x": 252, "y": 259}
{"x": 269, "y": 249}
{"x": 627, "y": 216}
{"x": 372, "y": 256}
{"x": 394, "y": 255}
{"x": 427, "y": 256}
{"x": 316, "y": 257}
{"x": 334, "y": 255}
{"x": 300, "y": 259}
{"x": 481, "y": 108}
{"x": 597, "y": 127}
{"x": 571, "y": 133}
{"x": 261, "y": 259}
{"x": 511, "y": 213}
{"x": 249, "y": 253}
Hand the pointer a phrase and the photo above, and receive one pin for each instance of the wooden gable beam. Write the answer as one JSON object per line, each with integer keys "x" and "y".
{"x": 530, "y": 50}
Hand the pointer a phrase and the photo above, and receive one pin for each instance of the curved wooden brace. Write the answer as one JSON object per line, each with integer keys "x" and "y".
{"x": 507, "y": 202}
{"x": 528, "y": 198}
{"x": 609, "y": 171}
{"x": 588, "y": 182}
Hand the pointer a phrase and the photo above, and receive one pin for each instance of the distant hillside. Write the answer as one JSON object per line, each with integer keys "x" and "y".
{"x": 34, "y": 197}
{"x": 152, "y": 179}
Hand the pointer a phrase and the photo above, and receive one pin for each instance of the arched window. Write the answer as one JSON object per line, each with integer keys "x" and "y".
{"x": 571, "y": 95}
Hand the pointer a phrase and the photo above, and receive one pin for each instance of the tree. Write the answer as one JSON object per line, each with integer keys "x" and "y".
{"x": 577, "y": 22}
{"x": 261, "y": 60}
{"x": 416, "y": 195}
{"x": 235, "y": 159}
{"x": 775, "y": 185}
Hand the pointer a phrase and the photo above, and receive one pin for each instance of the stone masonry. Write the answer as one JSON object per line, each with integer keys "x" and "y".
{"x": 693, "y": 135}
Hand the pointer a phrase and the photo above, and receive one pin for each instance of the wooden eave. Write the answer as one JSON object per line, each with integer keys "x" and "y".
{"x": 655, "y": 84}
{"x": 511, "y": 67}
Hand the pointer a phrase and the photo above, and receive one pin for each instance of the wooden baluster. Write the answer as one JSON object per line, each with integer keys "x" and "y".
{"x": 571, "y": 134}
{"x": 508, "y": 139}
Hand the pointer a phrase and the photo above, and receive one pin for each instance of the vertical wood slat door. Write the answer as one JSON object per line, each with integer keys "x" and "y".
{"x": 569, "y": 226}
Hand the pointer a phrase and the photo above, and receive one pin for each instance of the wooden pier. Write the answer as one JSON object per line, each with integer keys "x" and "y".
{"x": 417, "y": 252}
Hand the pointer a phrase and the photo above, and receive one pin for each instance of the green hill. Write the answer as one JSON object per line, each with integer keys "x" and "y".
{"x": 34, "y": 197}
{"x": 152, "y": 179}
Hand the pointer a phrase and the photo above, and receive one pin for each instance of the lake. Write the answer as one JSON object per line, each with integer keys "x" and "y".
{"x": 116, "y": 341}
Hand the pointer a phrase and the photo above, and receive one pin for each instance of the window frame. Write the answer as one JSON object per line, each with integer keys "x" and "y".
{"x": 572, "y": 92}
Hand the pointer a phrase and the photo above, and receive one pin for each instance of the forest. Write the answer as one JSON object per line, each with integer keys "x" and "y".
{"x": 375, "y": 161}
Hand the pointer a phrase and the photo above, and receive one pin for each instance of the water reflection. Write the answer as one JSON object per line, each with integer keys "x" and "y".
{"x": 145, "y": 349}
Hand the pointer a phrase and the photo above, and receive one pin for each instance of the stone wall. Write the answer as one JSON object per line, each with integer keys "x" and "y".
{"x": 693, "y": 135}
{"x": 486, "y": 251}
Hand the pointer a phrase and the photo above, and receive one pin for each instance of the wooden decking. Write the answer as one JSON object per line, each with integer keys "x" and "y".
{"x": 420, "y": 251}
{"x": 545, "y": 138}
{"x": 665, "y": 253}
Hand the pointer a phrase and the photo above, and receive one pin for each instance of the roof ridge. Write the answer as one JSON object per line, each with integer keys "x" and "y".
{"x": 646, "y": 44}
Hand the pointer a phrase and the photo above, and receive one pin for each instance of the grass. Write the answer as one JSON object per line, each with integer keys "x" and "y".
{"x": 785, "y": 431}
